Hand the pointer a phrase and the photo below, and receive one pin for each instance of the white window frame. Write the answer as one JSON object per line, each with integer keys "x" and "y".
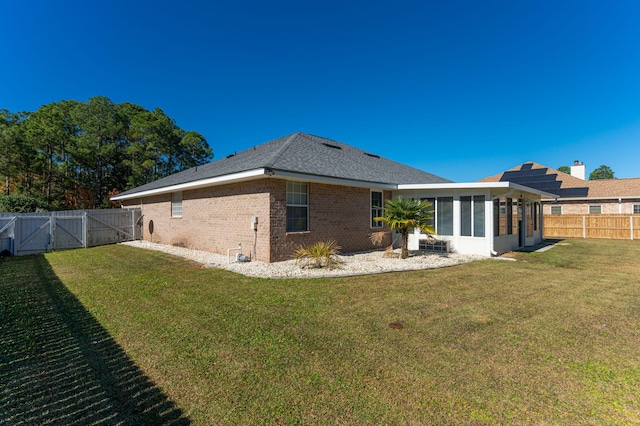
{"x": 295, "y": 201}
{"x": 439, "y": 221}
{"x": 474, "y": 215}
{"x": 556, "y": 207}
{"x": 176, "y": 204}
{"x": 594, "y": 206}
{"x": 376, "y": 211}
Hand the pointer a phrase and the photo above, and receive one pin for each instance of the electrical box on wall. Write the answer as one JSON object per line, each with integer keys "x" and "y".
{"x": 254, "y": 223}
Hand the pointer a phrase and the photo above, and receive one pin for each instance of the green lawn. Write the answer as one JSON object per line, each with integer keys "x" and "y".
{"x": 144, "y": 337}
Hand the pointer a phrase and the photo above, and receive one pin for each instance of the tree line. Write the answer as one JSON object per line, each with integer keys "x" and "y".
{"x": 602, "y": 172}
{"x": 75, "y": 155}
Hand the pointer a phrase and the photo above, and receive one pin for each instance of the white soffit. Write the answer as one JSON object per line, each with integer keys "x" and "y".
{"x": 475, "y": 185}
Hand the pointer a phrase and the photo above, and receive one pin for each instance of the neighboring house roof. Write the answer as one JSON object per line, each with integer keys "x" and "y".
{"x": 299, "y": 153}
{"x": 566, "y": 186}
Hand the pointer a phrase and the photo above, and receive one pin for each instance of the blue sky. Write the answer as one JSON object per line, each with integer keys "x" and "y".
{"x": 461, "y": 89}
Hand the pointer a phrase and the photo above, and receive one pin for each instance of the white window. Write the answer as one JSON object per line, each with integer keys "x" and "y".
{"x": 595, "y": 209}
{"x": 472, "y": 216}
{"x": 297, "y": 206}
{"x": 444, "y": 215}
{"x": 556, "y": 209}
{"x": 376, "y": 208}
{"x": 176, "y": 204}
{"x": 636, "y": 209}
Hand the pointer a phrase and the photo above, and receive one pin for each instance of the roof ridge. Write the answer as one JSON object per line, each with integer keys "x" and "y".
{"x": 278, "y": 153}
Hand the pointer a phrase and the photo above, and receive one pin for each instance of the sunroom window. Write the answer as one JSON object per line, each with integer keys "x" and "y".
{"x": 472, "y": 216}
{"x": 444, "y": 215}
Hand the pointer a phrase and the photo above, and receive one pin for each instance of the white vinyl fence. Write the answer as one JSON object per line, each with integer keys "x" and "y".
{"x": 32, "y": 233}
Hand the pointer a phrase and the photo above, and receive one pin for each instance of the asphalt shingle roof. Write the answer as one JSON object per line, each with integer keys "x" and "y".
{"x": 306, "y": 154}
{"x": 564, "y": 185}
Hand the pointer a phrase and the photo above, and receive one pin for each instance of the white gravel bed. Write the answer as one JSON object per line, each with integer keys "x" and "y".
{"x": 366, "y": 263}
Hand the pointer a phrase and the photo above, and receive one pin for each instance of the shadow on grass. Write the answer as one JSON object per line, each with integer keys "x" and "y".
{"x": 59, "y": 365}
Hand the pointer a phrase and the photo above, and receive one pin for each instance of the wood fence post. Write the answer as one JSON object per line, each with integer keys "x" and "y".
{"x": 631, "y": 226}
{"x": 584, "y": 227}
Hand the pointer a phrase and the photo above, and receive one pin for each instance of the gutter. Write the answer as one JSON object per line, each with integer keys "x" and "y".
{"x": 251, "y": 175}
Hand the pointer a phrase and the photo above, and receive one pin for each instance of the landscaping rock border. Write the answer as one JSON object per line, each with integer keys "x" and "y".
{"x": 352, "y": 264}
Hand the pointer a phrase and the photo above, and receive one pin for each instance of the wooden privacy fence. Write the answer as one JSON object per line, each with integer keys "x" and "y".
{"x": 612, "y": 226}
{"x": 32, "y": 233}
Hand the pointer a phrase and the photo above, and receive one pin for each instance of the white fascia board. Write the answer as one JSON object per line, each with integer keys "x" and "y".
{"x": 454, "y": 185}
{"x": 476, "y": 185}
{"x": 331, "y": 180}
{"x": 252, "y": 174}
{"x": 218, "y": 180}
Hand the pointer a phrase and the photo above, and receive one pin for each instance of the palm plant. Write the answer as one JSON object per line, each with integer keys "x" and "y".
{"x": 319, "y": 255}
{"x": 405, "y": 214}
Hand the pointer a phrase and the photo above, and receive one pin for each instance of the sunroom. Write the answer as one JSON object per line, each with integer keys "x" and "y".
{"x": 484, "y": 218}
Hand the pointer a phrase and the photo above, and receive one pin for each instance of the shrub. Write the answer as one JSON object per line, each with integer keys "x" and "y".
{"x": 21, "y": 204}
{"x": 323, "y": 254}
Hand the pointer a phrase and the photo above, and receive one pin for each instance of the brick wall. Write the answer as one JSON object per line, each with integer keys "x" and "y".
{"x": 217, "y": 218}
{"x": 336, "y": 212}
{"x": 580, "y": 207}
{"x": 213, "y": 219}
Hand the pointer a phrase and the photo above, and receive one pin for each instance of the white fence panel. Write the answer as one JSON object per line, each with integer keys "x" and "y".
{"x": 68, "y": 232}
{"x": 7, "y": 232}
{"x": 34, "y": 233}
{"x": 106, "y": 227}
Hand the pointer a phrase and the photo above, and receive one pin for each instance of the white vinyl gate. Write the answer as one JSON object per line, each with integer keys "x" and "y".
{"x": 33, "y": 233}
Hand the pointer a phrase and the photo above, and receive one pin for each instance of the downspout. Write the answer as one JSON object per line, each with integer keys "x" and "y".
{"x": 496, "y": 197}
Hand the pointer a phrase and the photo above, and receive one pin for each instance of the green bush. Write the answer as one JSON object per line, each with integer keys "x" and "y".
{"x": 323, "y": 254}
{"x": 21, "y": 204}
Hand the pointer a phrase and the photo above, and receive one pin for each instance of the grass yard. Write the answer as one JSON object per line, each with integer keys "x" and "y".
{"x": 116, "y": 334}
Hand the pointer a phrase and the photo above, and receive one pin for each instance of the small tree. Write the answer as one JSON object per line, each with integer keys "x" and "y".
{"x": 405, "y": 214}
{"x": 602, "y": 172}
{"x": 565, "y": 169}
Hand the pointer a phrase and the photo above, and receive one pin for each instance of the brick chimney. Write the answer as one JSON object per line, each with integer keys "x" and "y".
{"x": 578, "y": 170}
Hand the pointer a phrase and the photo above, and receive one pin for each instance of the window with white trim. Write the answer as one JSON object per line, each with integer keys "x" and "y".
{"x": 556, "y": 209}
{"x": 636, "y": 209}
{"x": 444, "y": 215}
{"x": 176, "y": 204}
{"x": 472, "y": 216}
{"x": 595, "y": 209}
{"x": 297, "y": 206}
{"x": 376, "y": 208}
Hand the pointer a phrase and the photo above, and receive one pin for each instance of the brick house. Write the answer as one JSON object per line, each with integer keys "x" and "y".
{"x": 572, "y": 193}
{"x": 300, "y": 189}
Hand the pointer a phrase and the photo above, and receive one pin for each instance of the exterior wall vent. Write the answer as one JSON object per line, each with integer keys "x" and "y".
{"x": 328, "y": 145}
